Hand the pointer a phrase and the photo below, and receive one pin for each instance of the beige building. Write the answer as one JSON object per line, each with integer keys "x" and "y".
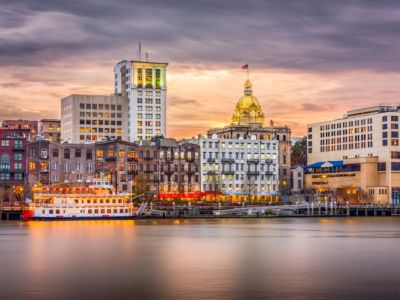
{"x": 361, "y": 134}
{"x": 354, "y": 180}
{"x": 249, "y": 120}
{"x": 50, "y": 129}
{"x": 89, "y": 118}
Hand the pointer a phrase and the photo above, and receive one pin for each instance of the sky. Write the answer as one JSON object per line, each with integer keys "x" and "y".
{"x": 309, "y": 60}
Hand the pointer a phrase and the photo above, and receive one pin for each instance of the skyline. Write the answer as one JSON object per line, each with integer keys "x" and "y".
{"x": 305, "y": 60}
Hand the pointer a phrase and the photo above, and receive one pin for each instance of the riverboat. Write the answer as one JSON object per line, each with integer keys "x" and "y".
{"x": 96, "y": 201}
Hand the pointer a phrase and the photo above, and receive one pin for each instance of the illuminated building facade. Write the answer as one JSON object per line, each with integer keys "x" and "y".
{"x": 249, "y": 120}
{"x": 50, "y": 129}
{"x": 90, "y": 118}
{"x": 361, "y": 133}
{"x": 144, "y": 83}
{"x": 244, "y": 168}
{"x": 56, "y": 163}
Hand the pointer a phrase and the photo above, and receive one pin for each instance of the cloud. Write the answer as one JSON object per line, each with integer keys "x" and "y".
{"x": 309, "y": 61}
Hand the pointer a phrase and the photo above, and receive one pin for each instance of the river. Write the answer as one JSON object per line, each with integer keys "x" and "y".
{"x": 296, "y": 258}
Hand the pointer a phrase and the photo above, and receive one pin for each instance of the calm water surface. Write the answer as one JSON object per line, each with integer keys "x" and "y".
{"x": 327, "y": 258}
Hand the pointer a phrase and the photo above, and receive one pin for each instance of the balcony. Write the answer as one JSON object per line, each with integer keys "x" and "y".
{"x": 190, "y": 172}
{"x": 227, "y": 160}
{"x": 19, "y": 148}
{"x": 132, "y": 172}
{"x": 111, "y": 158}
{"x": 211, "y": 160}
{"x": 44, "y": 170}
{"x": 253, "y": 161}
{"x": 253, "y": 173}
{"x": 269, "y": 173}
{"x": 147, "y": 158}
{"x": 5, "y": 170}
{"x": 134, "y": 159}
{"x": 228, "y": 172}
{"x": 269, "y": 161}
{"x": 169, "y": 171}
{"x": 212, "y": 173}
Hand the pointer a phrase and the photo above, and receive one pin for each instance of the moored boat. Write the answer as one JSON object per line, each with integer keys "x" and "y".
{"x": 96, "y": 201}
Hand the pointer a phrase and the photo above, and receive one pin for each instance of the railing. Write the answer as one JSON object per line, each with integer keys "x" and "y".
{"x": 253, "y": 161}
{"x": 227, "y": 160}
{"x": 132, "y": 159}
{"x": 253, "y": 173}
{"x": 111, "y": 158}
{"x": 79, "y": 195}
{"x": 269, "y": 161}
{"x": 210, "y": 160}
{"x": 228, "y": 172}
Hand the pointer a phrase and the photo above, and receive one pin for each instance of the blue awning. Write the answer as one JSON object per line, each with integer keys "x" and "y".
{"x": 326, "y": 164}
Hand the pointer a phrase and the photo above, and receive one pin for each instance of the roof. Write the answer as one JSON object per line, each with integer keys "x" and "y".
{"x": 326, "y": 164}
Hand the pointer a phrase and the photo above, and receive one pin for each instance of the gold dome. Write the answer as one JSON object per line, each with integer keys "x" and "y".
{"x": 248, "y": 109}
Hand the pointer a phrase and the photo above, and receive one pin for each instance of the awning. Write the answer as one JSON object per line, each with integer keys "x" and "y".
{"x": 326, "y": 164}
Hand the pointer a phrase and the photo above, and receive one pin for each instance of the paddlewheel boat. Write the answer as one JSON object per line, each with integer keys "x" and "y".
{"x": 97, "y": 201}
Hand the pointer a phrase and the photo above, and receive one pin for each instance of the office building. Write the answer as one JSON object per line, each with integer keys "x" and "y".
{"x": 144, "y": 83}
{"x": 90, "y": 118}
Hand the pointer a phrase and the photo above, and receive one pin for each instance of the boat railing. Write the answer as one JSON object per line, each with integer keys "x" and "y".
{"x": 78, "y": 205}
{"x": 105, "y": 195}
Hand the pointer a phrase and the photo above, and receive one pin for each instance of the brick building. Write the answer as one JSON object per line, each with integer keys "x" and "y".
{"x": 12, "y": 164}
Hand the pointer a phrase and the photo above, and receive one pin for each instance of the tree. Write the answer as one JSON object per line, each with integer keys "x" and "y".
{"x": 142, "y": 186}
{"x": 299, "y": 153}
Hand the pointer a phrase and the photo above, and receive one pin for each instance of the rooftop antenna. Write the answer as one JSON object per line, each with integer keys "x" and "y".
{"x": 140, "y": 51}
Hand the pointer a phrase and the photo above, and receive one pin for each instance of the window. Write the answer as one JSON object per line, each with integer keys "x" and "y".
{"x": 55, "y": 152}
{"x": 67, "y": 154}
{"x": 395, "y": 166}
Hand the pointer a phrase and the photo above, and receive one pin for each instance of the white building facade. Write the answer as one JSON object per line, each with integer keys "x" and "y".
{"x": 239, "y": 167}
{"x": 367, "y": 132}
{"x": 145, "y": 84}
{"x": 89, "y": 118}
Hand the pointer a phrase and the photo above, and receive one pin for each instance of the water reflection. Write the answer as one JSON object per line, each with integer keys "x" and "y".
{"x": 201, "y": 259}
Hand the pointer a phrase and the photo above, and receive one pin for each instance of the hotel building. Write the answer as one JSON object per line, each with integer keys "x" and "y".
{"x": 249, "y": 120}
{"x": 144, "y": 83}
{"x": 361, "y": 149}
{"x": 243, "y": 168}
{"x": 89, "y": 118}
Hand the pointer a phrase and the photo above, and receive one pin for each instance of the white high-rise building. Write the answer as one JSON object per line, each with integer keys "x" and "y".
{"x": 145, "y": 84}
